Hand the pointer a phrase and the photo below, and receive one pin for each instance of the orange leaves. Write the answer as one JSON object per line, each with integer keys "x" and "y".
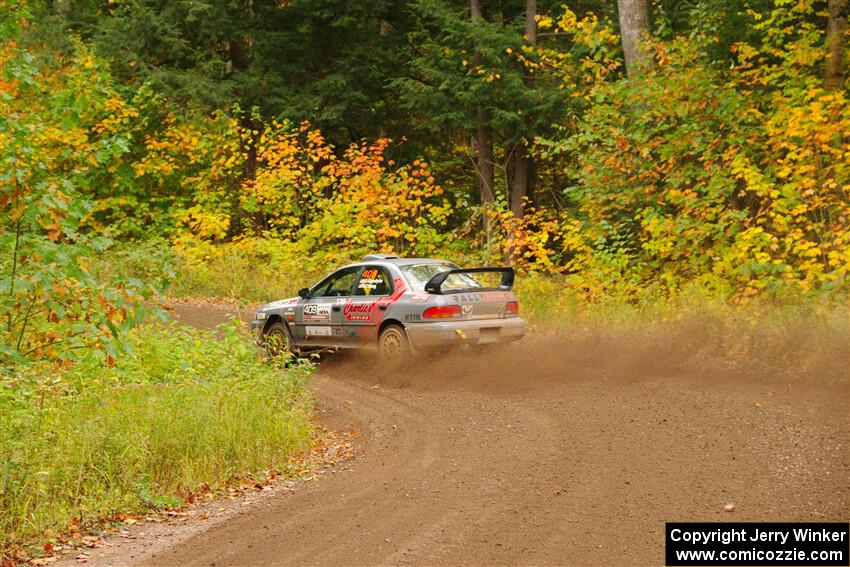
{"x": 53, "y": 232}
{"x": 304, "y": 189}
{"x": 530, "y": 238}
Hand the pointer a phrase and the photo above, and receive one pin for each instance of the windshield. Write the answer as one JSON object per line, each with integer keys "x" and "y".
{"x": 419, "y": 274}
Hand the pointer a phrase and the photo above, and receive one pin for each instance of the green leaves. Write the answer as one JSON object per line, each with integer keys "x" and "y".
{"x": 91, "y": 441}
{"x": 52, "y": 310}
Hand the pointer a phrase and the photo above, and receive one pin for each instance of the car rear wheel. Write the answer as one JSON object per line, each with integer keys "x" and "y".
{"x": 278, "y": 341}
{"x": 393, "y": 345}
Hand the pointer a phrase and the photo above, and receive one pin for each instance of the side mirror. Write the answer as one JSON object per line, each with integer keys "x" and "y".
{"x": 304, "y": 293}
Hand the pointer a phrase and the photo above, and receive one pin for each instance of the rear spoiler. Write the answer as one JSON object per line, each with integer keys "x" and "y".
{"x": 434, "y": 285}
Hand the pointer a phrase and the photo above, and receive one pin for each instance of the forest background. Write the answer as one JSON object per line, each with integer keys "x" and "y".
{"x": 625, "y": 156}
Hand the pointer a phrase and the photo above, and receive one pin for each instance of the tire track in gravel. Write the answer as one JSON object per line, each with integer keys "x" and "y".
{"x": 561, "y": 451}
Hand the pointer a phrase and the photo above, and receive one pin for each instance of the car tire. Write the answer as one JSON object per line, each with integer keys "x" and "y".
{"x": 393, "y": 345}
{"x": 277, "y": 340}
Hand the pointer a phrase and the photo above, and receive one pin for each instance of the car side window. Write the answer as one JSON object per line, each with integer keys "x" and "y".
{"x": 338, "y": 284}
{"x": 373, "y": 280}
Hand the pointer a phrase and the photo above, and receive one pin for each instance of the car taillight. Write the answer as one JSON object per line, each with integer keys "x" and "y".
{"x": 441, "y": 312}
{"x": 512, "y": 308}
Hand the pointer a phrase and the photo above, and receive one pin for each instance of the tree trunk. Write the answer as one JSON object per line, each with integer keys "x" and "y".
{"x": 531, "y": 22}
{"x": 519, "y": 180}
{"x": 634, "y": 25}
{"x": 484, "y": 142}
{"x": 521, "y": 165}
{"x": 836, "y": 44}
{"x": 383, "y": 30}
{"x": 486, "y": 167}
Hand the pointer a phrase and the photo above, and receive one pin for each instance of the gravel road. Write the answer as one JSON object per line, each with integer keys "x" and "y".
{"x": 554, "y": 451}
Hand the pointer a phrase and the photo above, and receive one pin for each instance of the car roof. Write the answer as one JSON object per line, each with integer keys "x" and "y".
{"x": 396, "y": 261}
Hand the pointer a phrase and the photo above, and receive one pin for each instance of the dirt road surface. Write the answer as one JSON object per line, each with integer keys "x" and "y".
{"x": 554, "y": 451}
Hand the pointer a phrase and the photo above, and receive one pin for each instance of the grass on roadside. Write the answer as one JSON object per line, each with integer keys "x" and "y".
{"x": 261, "y": 270}
{"x": 182, "y": 409}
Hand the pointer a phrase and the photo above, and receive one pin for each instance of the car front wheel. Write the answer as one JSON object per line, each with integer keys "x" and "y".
{"x": 278, "y": 341}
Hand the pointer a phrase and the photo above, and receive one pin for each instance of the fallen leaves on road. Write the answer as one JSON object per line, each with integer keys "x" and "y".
{"x": 328, "y": 451}
{"x": 93, "y": 541}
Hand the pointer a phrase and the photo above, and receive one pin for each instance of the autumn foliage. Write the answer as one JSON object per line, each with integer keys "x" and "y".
{"x": 720, "y": 171}
{"x": 730, "y": 181}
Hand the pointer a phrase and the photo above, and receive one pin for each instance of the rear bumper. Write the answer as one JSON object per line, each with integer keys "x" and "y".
{"x": 482, "y": 331}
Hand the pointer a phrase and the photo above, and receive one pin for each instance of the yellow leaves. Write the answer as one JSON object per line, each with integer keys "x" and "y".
{"x": 207, "y": 225}
{"x": 544, "y": 22}
{"x": 591, "y": 62}
{"x": 303, "y": 189}
{"x": 568, "y": 22}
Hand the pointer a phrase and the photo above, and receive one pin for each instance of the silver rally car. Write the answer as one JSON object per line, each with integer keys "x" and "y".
{"x": 397, "y": 305}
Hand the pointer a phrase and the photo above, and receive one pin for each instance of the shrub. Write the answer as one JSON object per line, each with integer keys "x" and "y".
{"x": 181, "y": 409}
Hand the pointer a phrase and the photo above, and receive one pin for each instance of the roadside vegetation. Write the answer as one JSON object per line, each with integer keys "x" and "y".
{"x": 106, "y": 406}
{"x": 241, "y": 150}
{"x": 178, "y": 409}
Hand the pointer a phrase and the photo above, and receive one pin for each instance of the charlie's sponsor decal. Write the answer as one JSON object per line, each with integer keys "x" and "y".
{"x": 315, "y": 312}
{"x": 359, "y": 311}
{"x": 371, "y": 311}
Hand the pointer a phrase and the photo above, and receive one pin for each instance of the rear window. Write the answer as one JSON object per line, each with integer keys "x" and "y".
{"x": 419, "y": 274}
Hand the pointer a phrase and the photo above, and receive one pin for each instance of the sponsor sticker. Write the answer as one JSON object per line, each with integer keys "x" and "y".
{"x": 282, "y": 303}
{"x": 370, "y": 280}
{"x": 371, "y": 310}
{"x": 316, "y": 312}
{"x": 319, "y": 331}
{"x": 359, "y": 311}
